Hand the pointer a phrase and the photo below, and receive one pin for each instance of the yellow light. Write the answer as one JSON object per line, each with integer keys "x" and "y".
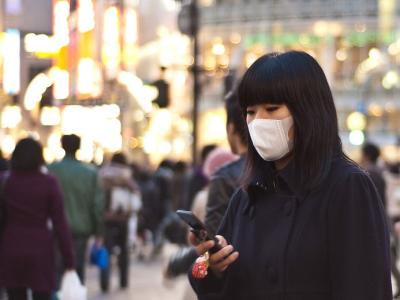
{"x": 179, "y": 146}
{"x": 390, "y": 80}
{"x": 162, "y": 31}
{"x": 138, "y": 116}
{"x": 72, "y": 116}
{"x": 60, "y": 79}
{"x": 133, "y": 143}
{"x": 10, "y": 116}
{"x": 86, "y": 18}
{"x": 8, "y": 145}
{"x": 376, "y": 110}
{"x": 60, "y": 22}
{"x": 356, "y": 121}
{"x": 149, "y": 143}
{"x": 89, "y": 77}
{"x": 162, "y": 121}
{"x": 218, "y": 49}
{"x": 236, "y": 38}
{"x": 210, "y": 63}
{"x": 341, "y": 54}
{"x": 206, "y": 3}
{"x": 55, "y": 152}
{"x": 99, "y": 156}
{"x": 375, "y": 54}
{"x": 35, "y": 90}
{"x": 50, "y": 116}
{"x": 111, "y": 52}
{"x": 250, "y": 59}
{"x": 224, "y": 61}
{"x": 394, "y": 49}
{"x": 164, "y": 148}
{"x": 356, "y": 137}
{"x": 321, "y": 28}
{"x": 131, "y": 29}
{"x": 143, "y": 94}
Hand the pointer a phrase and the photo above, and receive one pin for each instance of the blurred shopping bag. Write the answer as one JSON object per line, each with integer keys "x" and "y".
{"x": 71, "y": 287}
{"x": 99, "y": 256}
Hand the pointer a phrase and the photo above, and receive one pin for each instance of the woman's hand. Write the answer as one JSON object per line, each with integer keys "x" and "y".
{"x": 220, "y": 260}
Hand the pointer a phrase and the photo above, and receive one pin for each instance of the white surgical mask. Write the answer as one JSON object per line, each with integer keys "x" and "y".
{"x": 271, "y": 137}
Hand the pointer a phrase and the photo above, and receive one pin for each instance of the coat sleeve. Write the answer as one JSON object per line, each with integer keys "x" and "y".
{"x": 210, "y": 287}
{"x": 358, "y": 242}
{"x": 60, "y": 224}
{"x": 220, "y": 191}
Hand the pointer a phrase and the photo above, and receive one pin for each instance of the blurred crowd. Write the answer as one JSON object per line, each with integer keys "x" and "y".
{"x": 125, "y": 207}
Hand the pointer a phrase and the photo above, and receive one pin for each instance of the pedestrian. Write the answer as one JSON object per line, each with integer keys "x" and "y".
{"x": 307, "y": 222}
{"x": 147, "y": 219}
{"x": 163, "y": 178}
{"x": 83, "y": 199}
{"x": 369, "y": 161}
{"x": 122, "y": 197}
{"x": 197, "y": 179}
{"x": 226, "y": 180}
{"x": 179, "y": 182}
{"x": 32, "y": 198}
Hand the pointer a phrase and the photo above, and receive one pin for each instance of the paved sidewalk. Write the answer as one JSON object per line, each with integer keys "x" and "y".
{"x": 146, "y": 282}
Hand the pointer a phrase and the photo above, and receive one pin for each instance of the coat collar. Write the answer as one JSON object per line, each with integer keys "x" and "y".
{"x": 269, "y": 179}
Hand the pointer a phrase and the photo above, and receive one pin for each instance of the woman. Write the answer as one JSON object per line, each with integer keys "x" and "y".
{"x": 308, "y": 223}
{"x": 32, "y": 198}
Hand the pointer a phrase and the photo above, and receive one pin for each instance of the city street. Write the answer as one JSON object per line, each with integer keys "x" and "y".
{"x": 146, "y": 282}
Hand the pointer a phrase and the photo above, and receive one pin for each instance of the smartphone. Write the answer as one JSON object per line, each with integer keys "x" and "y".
{"x": 198, "y": 228}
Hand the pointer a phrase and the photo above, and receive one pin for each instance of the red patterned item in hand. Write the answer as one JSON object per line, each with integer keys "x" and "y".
{"x": 200, "y": 267}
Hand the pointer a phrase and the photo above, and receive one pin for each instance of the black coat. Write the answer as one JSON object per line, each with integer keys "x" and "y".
{"x": 331, "y": 243}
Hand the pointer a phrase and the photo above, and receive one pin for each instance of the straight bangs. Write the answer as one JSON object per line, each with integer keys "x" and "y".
{"x": 264, "y": 83}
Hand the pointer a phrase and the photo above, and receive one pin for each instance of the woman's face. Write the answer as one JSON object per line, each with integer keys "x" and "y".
{"x": 268, "y": 111}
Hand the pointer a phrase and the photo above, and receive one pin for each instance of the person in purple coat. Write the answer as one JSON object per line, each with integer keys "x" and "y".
{"x": 35, "y": 219}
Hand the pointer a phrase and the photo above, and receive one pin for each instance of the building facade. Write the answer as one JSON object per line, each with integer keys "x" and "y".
{"x": 356, "y": 42}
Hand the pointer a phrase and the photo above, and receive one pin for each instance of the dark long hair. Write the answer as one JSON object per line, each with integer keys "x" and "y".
{"x": 295, "y": 79}
{"x": 27, "y": 155}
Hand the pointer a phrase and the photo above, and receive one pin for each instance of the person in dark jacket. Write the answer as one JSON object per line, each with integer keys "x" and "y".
{"x": 27, "y": 258}
{"x": 120, "y": 192}
{"x": 226, "y": 180}
{"x": 308, "y": 223}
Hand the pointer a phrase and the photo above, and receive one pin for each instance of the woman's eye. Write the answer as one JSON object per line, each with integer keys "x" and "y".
{"x": 250, "y": 112}
{"x": 272, "y": 109}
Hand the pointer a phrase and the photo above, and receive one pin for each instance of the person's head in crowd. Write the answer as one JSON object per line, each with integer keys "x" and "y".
{"x": 290, "y": 116}
{"x": 27, "y": 155}
{"x": 70, "y": 143}
{"x": 119, "y": 158}
{"x": 217, "y": 159}
{"x": 167, "y": 164}
{"x": 180, "y": 167}
{"x": 236, "y": 127}
{"x": 205, "y": 151}
{"x": 370, "y": 153}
